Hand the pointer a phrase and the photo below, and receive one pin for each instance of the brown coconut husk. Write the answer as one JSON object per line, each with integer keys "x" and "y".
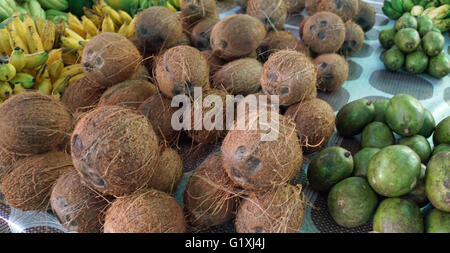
{"x": 201, "y": 33}
{"x": 294, "y": 6}
{"x": 333, "y": 71}
{"x": 131, "y": 94}
{"x": 145, "y": 212}
{"x": 280, "y": 40}
{"x": 366, "y": 17}
{"x": 272, "y": 13}
{"x": 280, "y": 210}
{"x": 251, "y": 100}
{"x": 346, "y": 9}
{"x": 29, "y": 185}
{"x": 314, "y": 121}
{"x": 237, "y": 36}
{"x": 33, "y": 123}
{"x": 7, "y": 162}
{"x": 214, "y": 62}
{"x": 302, "y": 24}
{"x": 180, "y": 69}
{"x": 354, "y": 39}
{"x": 291, "y": 75}
{"x": 193, "y": 11}
{"x": 110, "y": 58}
{"x": 239, "y": 77}
{"x": 158, "y": 28}
{"x": 141, "y": 73}
{"x": 311, "y": 6}
{"x": 169, "y": 172}
{"x": 78, "y": 207}
{"x": 82, "y": 95}
{"x": 210, "y": 197}
{"x": 324, "y": 32}
{"x": 255, "y": 164}
{"x": 115, "y": 150}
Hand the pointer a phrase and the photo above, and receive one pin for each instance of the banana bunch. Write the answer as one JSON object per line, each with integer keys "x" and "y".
{"x": 60, "y": 5}
{"x": 7, "y": 8}
{"x": 34, "y": 9}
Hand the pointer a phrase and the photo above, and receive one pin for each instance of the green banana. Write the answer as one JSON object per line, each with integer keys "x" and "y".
{"x": 60, "y": 5}
{"x": 3, "y": 14}
{"x": 18, "y": 59}
{"x": 25, "y": 79}
{"x": 407, "y": 5}
{"x": 390, "y": 12}
{"x": 5, "y": 90}
{"x": 35, "y": 60}
{"x": 397, "y": 5}
{"x": 7, "y": 72}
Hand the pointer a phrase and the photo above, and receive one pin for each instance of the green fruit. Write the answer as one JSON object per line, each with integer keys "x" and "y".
{"x": 418, "y": 195}
{"x": 406, "y": 21}
{"x": 377, "y": 135}
{"x": 433, "y": 43}
{"x": 386, "y": 37}
{"x": 394, "y": 58}
{"x": 429, "y": 124}
{"x": 442, "y": 132}
{"x": 437, "y": 182}
{"x": 352, "y": 202}
{"x": 394, "y": 171}
{"x": 405, "y": 115}
{"x": 419, "y": 144}
{"x": 424, "y": 25}
{"x": 441, "y": 148}
{"x": 362, "y": 159}
{"x": 329, "y": 167}
{"x": 439, "y": 66}
{"x": 437, "y": 222}
{"x": 353, "y": 117}
{"x": 416, "y": 62}
{"x": 407, "y": 39}
{"x": 380, "y": 109}
{"x": 396, "y": 215}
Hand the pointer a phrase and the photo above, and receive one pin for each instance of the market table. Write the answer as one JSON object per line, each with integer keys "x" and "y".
{"x": 368, "y": 79}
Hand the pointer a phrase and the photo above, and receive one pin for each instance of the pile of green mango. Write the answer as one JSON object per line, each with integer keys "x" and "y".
{"x": 397, "y": 180}
{"x": 415, "y": 45}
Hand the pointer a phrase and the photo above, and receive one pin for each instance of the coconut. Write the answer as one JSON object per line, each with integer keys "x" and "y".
{"x": 354, "y": 39}
{"x": 141, "y": 73}
{"x": 110, "y": 58}
{"x": 210, "y": 197}
{"x": 7, "y": 162}
{"x": 272, "y": 13}
{"x": 237, "y": 36}
{"x": 311, "y": 6}
{"x": 29, "y": 185}
{"x": 280, "y": 210}
{"x": 324, "y": 32}
{"x": 115, "y": 150}
{"x": 145, "y": 212}
{"x": 294, "y": 6}
{"x": 128, "y": 94}
{"x": 262, "y": 158}
{"x": 333, "y": 71}
{"x": 158, "y": 28}
{"x": 180, "y": 69}
{"x": 366, "y": 17}
{"x": 280, "y": 40}
{"x": 159, "y": 112}
{"x": 78, "y": 207}
{"x": 82, "y": 95}
{"x": 254, "y": 102}
{"x": 201, "y": 33}
{"x": 169, "y": 172}
{"x": 302, "y": 24}
{"x": 33, "y": 123}
{"x": 314, "y": 121}
{"x": 214, "y": 62}
{"x": 346, "y": 9}
{"x": 239, "y": 77}
{"x": 193, "y": 11}
{"x": 291, "y": 75}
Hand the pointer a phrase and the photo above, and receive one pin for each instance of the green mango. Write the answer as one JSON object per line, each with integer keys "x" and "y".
{"x": 377, "y": 135}
{"x": 362, "y": 159}
{"x": 405, "y": 115}
{"x": 420, "y": 145}
{"x": 394, "y": 59}
{"x": 441, "y": 148}
{"x": 416, "y": 62}
{"x": 407, "y": 39}
{"x": 380, "y": 109}
{"x": 429, "y": 124}
{"x": 406, "y": 21}
{"x": 418, "y": 195}
{"x": 433, "y": 43}
{"x": 439, "y": 66}
{"x": 437, "y": 222}
{"x": 396, "y": 215}
{"x": 437, "y": 181}
{"x": 424, "y": 25}
{"x": 353, "y": 117}
{"x": 386, "y": 37}
{"x": 442, "y": 132}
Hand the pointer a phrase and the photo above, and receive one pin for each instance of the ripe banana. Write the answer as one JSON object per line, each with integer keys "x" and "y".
{"x": 25, "y": 79}
{"x": 131, "y": 27}
{"x": 17, "y": 59}
{"x": 7, "y": 72}
{"x": 71, "y": 33}
{"x": 70, "y": 57}
{"x": 53, "y": 55}
{"x": 108, "y": 25}
{"x": 123, "y": 30}
{"x": 89, "y": 26}
{"x": 4, "y": 41}
{"x": 76, "y": 25}
{"x": 18, "y": 88}
{"x": 124, "y": 16}
{"x": 15, "y": 40}
{"x": 49, "y": 34}
{"x": 35, "y": 60}
{"x": 92, "y": 15}
{"x": 70, "y": 43}
{"x": 55, "y": 69}
{"x": 40, "y": 23}
{"x": 45, "y": 86}
{"x": 33, "y": 40}
{"x": 76, "y": 78}
{"x": 19, "y": 27}
{"x": 115, "y": 16}
{"x": 72, "y": 70}
{"x": 5, "y": 90}
{"x": 59, "y": 86}
{"x": 42, "y": 73}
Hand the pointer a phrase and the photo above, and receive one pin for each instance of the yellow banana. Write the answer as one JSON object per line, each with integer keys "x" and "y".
{"x": 25, "y": 79}
{"x": 72, "y": 70}
{"x": 17, "y": 59}
{"x": 53, "y": 55}
{"x": 59, "y": 86}
{"x": 89, "y": 26}
{"x": 123, "y": 30}
{"x": 4, "y": 41}
{"x": 70, "y": 43}
{"x": 71, "y": 33}
{"x": 60, "y": 29}
{"x": 33, "y": 40}
{"x": 115, "y": 16}
{"x": 171, "y": 7}
{"x": 15, "y": 40}
{"x": 35, "y": 60}
{"x": 5, "y": 90}
{"x": 92, "y": 15}
{"x": 27, "y": 21}
{"x": 55, "y": 69}
{"x": 131, "y": 27}
{"x": 45, "y": 86}
{"x": 48, "y": 38}
{"x": 76, "y": 25}
{"x": 7, "y": 72}
{"x": 124, "y": 16}
{"x": 19, "y": 27}
{"x": 40, "y": 24}
{"x": 108, "y": 24}
{"x": 70, "y": 57}
{"x": 18, "y": 88}
{"x": 42, "y": 73}
{"x": 76, "y": 78}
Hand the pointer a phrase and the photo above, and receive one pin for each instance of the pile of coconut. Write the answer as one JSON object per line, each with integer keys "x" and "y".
{"x": 106, "y": 159}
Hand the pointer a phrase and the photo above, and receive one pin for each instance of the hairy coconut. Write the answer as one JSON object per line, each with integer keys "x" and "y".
{"x": 193, "y": 11}
{"x": 145, "y": 212}
{"x": 314, "y": 121}
{"x": 333, "y": 71}
{"x": 84, "y": 94}
{"x": 210, "y": 197}
{"x": 158, "y": 28}
{"x": 33, "y": 123}
{"x": 214, "y": 62}
{"x": 237, "y": 36}
{"x": 239, "y": 77}
{"x": 7, "y": 162}
{"x": 130, "y": 93}
{"x": 346, "y": 9}
{"x": 201, "y": 33}
{"x": 291, "y": 75}
{"x": 254, "y": 102}
{"x": 366, "y": 17}
{"x": 169, "y": 172}
{"x": 115, "y": 150}
{"x": 294, "y": 6}
{"x": 141, "y": 73}
{"x": 324, "y": 32}
{"x": 272, "y": 13}
{"x": 280, "y": 210}
{"x": 280, "y": 40}
{"x": 110, "y": 58}
{"x": 78, "y": 207}
{"x": 262, "y": 158}
{"x": 354, "y": 39}
{"x": 180, "y": 69}
{"x": 311, "y": 6}
{"x": 29, "y": 185}
{"x": 301, "y": 26}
